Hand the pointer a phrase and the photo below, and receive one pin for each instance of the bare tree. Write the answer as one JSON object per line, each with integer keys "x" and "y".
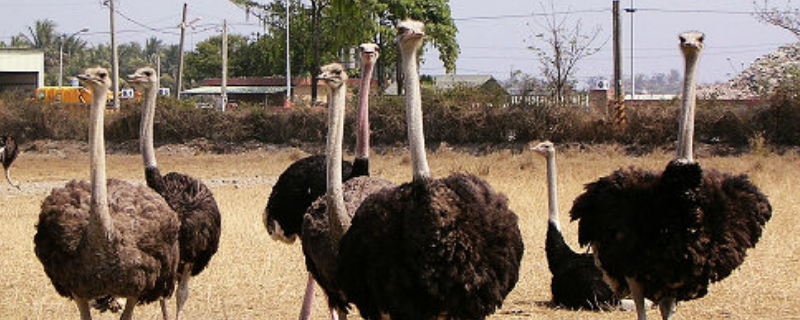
{"x": 787, "y": 17}
{"x": 560, "y": 47}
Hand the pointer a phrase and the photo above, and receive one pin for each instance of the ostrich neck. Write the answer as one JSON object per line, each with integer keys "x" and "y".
{"x": 416, "y": 136}
{"x": 362, "y": 137}
{"x": 337, "y": 217}
{"x": 552, "y": 193}
{"x": 97, "y": 159}
{"x": 686, "y": 133}
{"x": 146, "y": 128}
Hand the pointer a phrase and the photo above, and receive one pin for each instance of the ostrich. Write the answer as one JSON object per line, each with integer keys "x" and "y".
{"x": 305, "y": 180}
{"x": 576, "y": 283}
{"x": 429, "y": 248}
{"x": 8, "y": 153}
{"x": 329, "y": 217}
{"x": 107, "y": 237}
{"x": 668, "y": 236}
{"x": 189, "y": 197}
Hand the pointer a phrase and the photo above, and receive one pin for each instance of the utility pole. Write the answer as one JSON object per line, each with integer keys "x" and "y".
{"x": 619, "y": 101}
{"x": 114, "y": 56}
{"x": 288, "y": 102}
{"x": 631, "y": 10}
{"x": 179, "y": 79}
{"x": 224, "y": 86}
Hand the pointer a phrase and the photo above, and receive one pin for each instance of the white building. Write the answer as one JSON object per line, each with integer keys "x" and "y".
{"x": 21, "y": 69}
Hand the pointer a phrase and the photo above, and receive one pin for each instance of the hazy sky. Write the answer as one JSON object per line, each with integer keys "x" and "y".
{"x": 494, "y": 35}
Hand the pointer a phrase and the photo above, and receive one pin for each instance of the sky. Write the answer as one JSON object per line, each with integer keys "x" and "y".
{"x": 494, "y": 35}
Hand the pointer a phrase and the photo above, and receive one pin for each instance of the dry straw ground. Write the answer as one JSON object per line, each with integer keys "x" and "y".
{"x": 253, "y": 277}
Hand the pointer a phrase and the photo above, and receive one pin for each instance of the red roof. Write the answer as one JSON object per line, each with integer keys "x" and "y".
{"x": 273, "y": 82}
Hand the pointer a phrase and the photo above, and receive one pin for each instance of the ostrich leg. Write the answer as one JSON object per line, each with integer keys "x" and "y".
{"x": 305, "y": 310}
{"x": 667, "y": 306}
{"x": 164, "y": 309}
{"x": 130, "y": 303}
{"x": 183, "y": 290}
{"x": 638, "y": 297}
{"x": 83, "y": 308}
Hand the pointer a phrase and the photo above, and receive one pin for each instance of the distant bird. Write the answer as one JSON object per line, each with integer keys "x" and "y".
{"x": 107, "y": 237}
{"x": 577, "y": 283}
{"x": 429, "y": 248}
{"x": 668, "y": 236}
{"x": 305, "y": 180}
{"x": 8, "y": 153}
{"x": 201, "y": 222}
{"x": 329, "y": 217}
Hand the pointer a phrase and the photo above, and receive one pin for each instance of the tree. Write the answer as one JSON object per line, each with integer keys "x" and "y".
{"x": 330, "y": 28}
{"x": 560, "y": 47}
{"x": 787, "y": 17}
{"x": 206, "y": 60}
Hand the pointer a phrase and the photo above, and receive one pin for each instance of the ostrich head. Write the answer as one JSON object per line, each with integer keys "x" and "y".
{"x": 334, "y": 75}
{"x": 410, "y": 34}
{"x": 369, "y": 52}
{"x": 544, "y": 149}
{"x": 96, "y": 79}
{"x": 143, "y": 79}
{"x": 691, "y": 42}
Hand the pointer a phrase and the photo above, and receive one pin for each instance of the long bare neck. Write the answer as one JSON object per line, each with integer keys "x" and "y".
{"x": 337, "y": 216}
{"x": 97, "y": 159}
{"x": 552, "y": 191}
{"x": 146, "y": 128}
{"x": 362, "y": 136}
{"x": 686, "y": 133}
{"x": 416, "y": 136}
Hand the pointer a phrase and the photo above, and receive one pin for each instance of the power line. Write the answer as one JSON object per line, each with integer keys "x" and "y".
{"x": 520, "y": 16}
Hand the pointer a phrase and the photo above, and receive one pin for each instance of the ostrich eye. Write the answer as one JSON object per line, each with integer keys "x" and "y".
{"x": 682, "y": 39}
{"x": 148, "y": 73}
{"x": 337, "y": 72}
{"x": 700, "y": 39}
{"x": 102, "y": 75}
{"x": 402, "y": 30}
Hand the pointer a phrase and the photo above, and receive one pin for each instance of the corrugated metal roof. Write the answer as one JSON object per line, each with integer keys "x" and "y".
{"x": 213, "y": 90}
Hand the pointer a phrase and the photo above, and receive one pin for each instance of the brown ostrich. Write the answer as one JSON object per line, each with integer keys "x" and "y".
{"x": 107, "y": 237}
{"x": 667, "y": 236}
{"x": 305, "y": 180}
{"x": 329, "y": 217}
{"x": 8, "y": 153}
{"x": 429, "y": 248}
{"x": 189, "y": 197}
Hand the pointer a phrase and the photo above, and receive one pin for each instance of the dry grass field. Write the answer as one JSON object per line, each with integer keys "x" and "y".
{"x": 253, "y": 277}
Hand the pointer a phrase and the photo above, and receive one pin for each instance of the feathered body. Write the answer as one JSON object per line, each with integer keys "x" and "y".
{"x": 429, "y": 248}
{"x": 201, "y": 222}
{"x": 297, "y": 188}
{"x": 318, "y": 246}
{"x": 674, "y": 232}
{"x": 576, "y": 281}
{"x": 141, "y": 258}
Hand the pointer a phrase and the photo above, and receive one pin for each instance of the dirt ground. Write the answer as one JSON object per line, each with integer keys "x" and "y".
{"x": 254, "y": 277}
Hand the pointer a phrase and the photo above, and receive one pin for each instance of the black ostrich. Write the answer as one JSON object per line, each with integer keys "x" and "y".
{"x": 305, "y": 180}
{"x": 577, "y": 283}
{"x": 668, "y": 236}
{"x": 429, "y": 248}
{"x": 201, "y": 222}
{"x": 107, "y": 237}
{"x": 8, "y": 153}
{"x": 329, "y": 217}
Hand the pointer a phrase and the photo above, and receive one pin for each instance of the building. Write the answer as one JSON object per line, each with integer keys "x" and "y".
{"x": 451, "y": 81}
{"x": 271, "y": 90}
{"x": 21, "y": 69}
